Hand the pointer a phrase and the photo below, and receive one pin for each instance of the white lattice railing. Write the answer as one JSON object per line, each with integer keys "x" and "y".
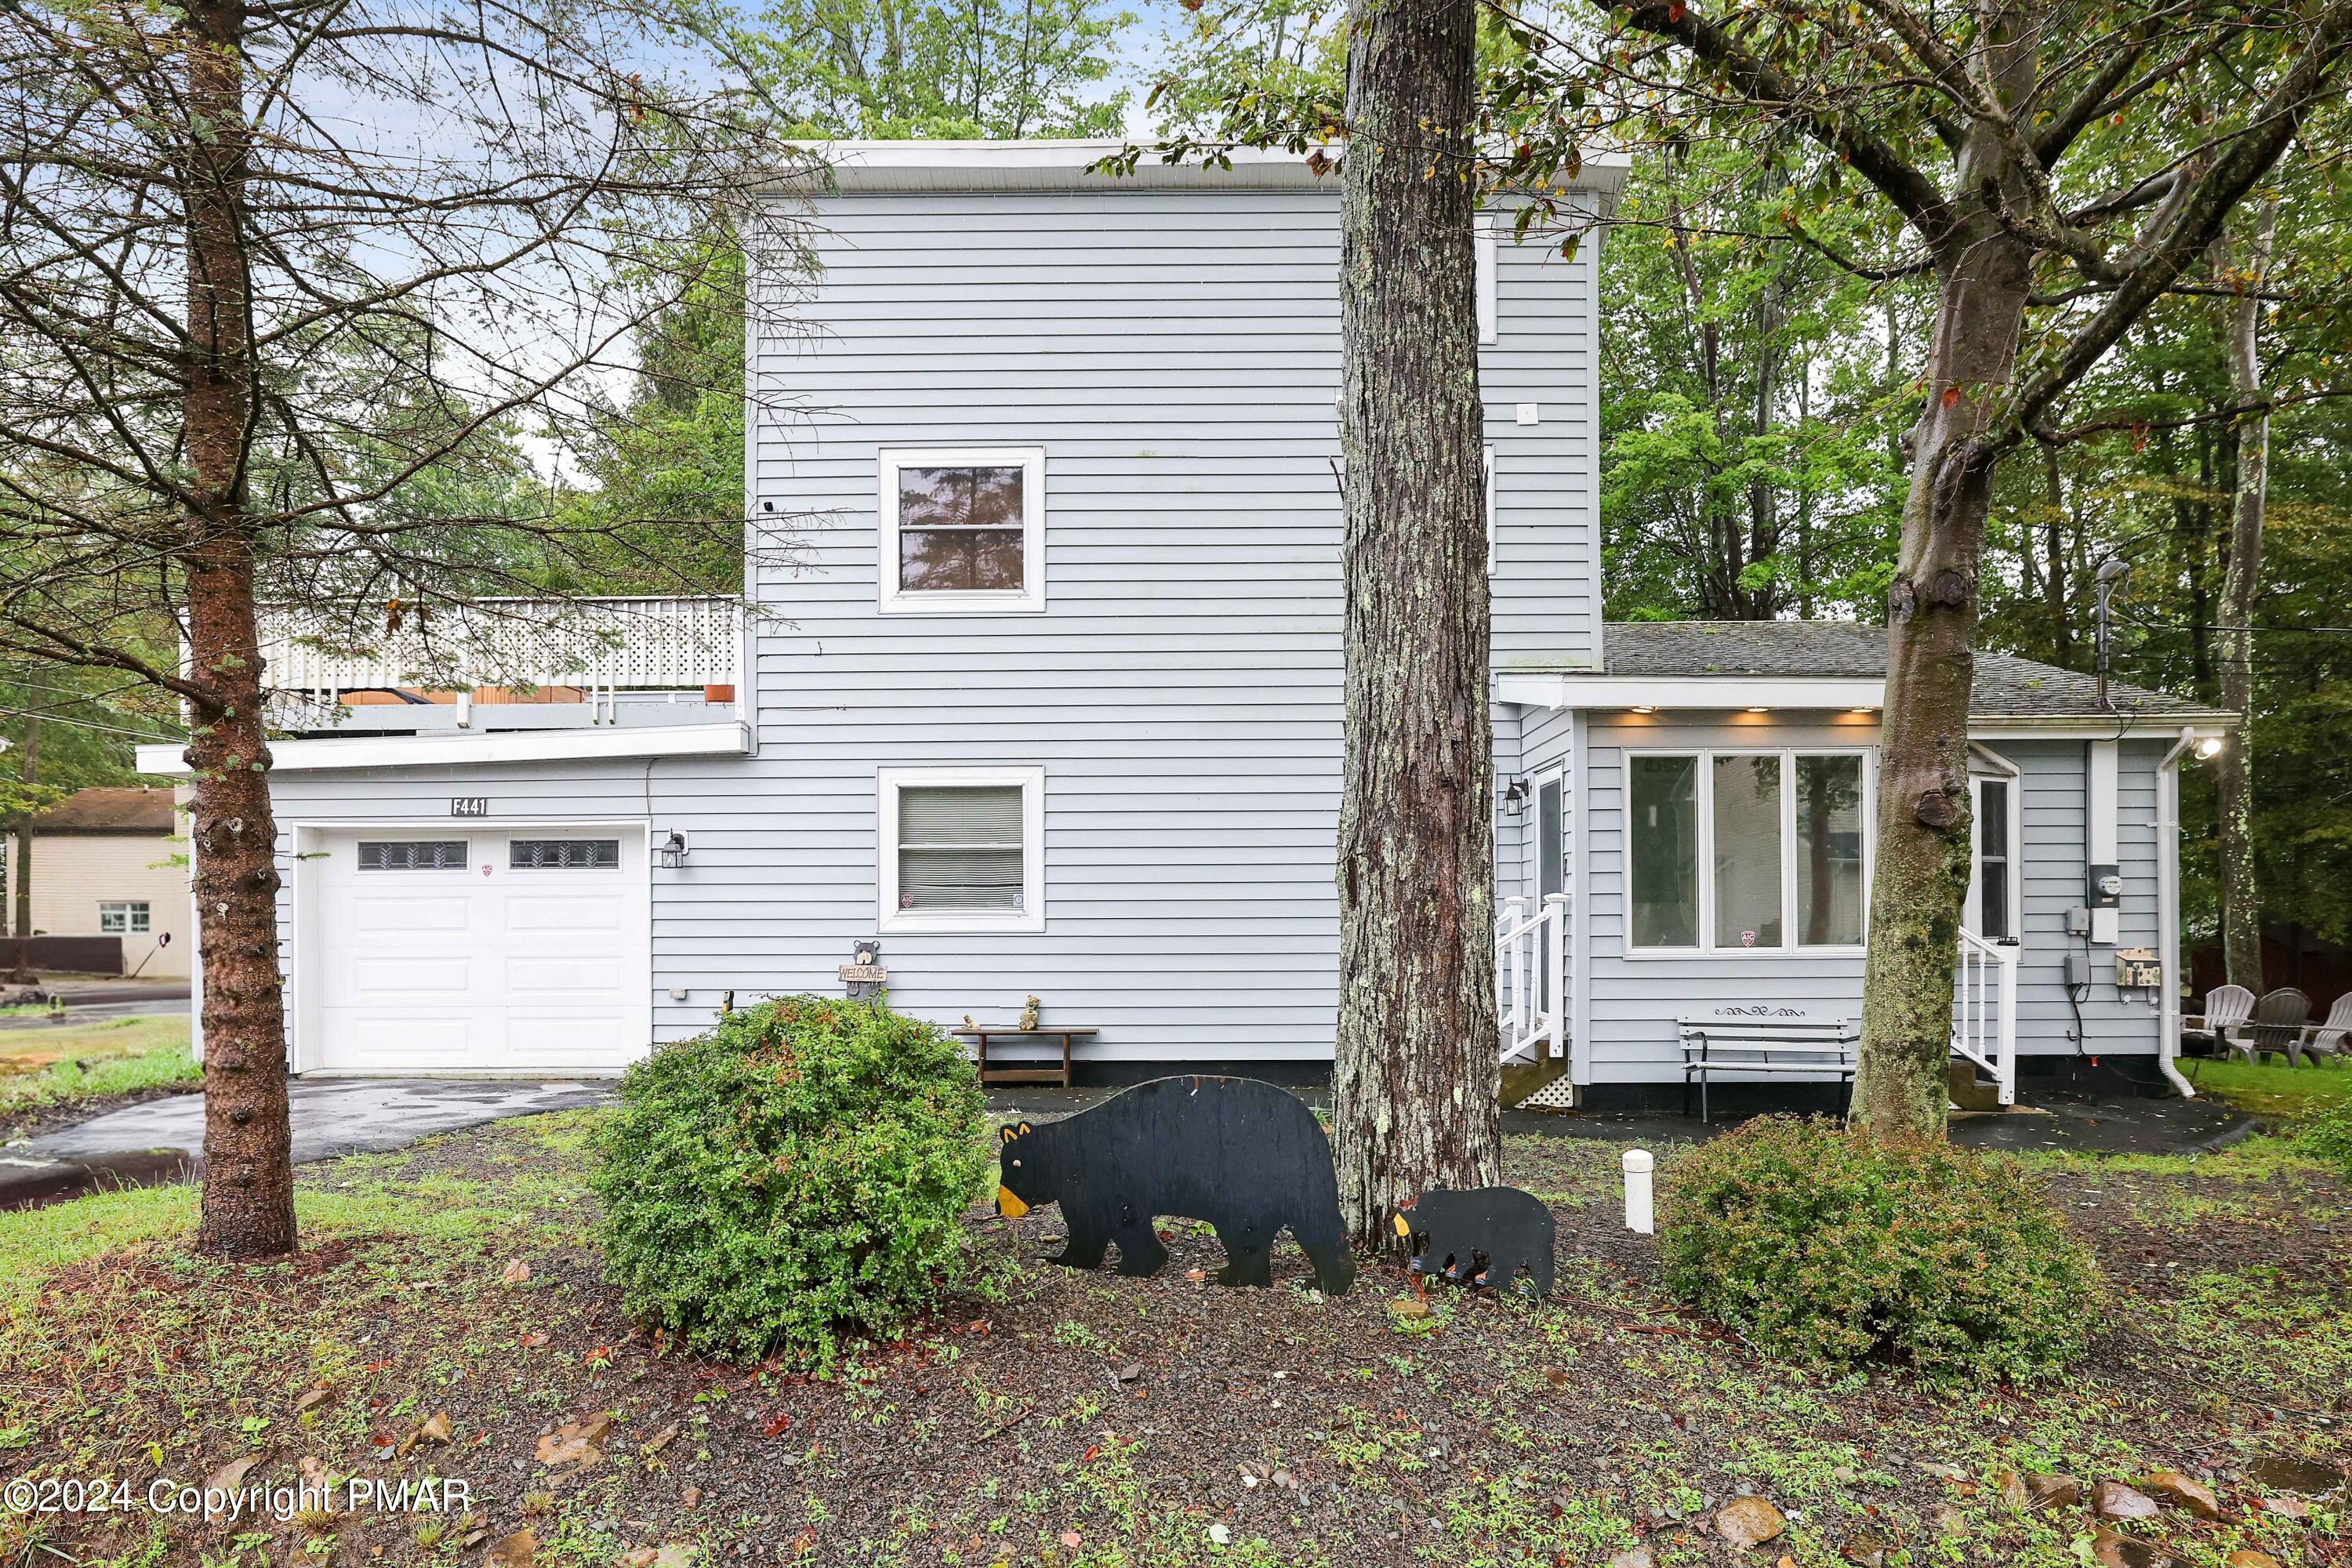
{"x": 1984, "y": 1010}
{"x": 611, "y": 643}
{"x": 1531, "y": 977}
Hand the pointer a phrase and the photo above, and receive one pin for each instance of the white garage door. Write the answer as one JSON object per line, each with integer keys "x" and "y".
{"x": 522, "y": 950}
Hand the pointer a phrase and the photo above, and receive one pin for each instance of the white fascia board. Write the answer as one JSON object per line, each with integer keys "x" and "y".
{"x": 1716, "y": 692}
{"x": 1061, "y": 163}
{"x": 731, "y": 739}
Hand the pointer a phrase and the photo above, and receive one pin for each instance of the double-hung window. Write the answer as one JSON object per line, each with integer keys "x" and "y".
{"x": 961, "y": 849}
{"x": 962, "y": 530}
{"x": 1747, "y": 850}
{"x": 1991, "y": 911}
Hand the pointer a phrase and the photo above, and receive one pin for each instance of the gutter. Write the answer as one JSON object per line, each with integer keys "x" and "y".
{"x": 2168, "y": 915}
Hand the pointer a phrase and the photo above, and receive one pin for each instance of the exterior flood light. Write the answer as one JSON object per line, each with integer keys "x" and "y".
{"x": 2208, "y": 748}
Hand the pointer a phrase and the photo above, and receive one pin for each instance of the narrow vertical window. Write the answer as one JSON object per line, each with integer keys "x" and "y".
{"x": 1747, "y": 851}
{"x": 1993, "y": 920}
{"x": 1663, "y": 794}
{"x": 1829, "y": 851}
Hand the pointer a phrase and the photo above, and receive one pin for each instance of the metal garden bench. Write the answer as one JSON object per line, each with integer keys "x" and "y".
{"x": 1771, "y": 1044}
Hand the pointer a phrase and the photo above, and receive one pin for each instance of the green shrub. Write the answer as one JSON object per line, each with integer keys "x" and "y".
{"x": 1832, "y": 1249}
{"x": 795, "y": 1178}
{"x": 2328, "y": 1134}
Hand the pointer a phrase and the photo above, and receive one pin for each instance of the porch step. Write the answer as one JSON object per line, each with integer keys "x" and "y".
{"x": 1969, "y": 1092}
{"x": 1536, "y": 1083}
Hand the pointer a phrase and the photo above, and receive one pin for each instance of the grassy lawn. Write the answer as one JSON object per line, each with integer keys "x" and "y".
{"x": 2275, "y": 1088}
{"x": 45, "y": 1068}
{"x": 1052, "y": 1418}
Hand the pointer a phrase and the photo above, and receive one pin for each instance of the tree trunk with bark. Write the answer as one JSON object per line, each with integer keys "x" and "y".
{"x": 1920, "y": 872}
{"x": 21, "y": 885}
{"x": 1415, "y": 1076}
{"x": 248, "y": 1183}
{"x": 2242, "y": 909}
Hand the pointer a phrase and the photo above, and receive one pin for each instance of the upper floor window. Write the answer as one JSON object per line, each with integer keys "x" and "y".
{"x": 1745, "y": 851}
{"x": 962, "y": 530}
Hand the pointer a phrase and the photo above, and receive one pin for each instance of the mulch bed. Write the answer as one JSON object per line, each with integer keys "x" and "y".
{"x": 1065, "y": 1419}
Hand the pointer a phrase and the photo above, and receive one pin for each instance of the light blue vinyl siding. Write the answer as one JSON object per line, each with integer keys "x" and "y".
{"x": 1176, "y": 355}
{"x": 1633, "y": 1000}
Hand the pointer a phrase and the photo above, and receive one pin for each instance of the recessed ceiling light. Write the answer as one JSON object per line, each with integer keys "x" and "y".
{"x": 1759, "y": 709}
{"x": 1643, "y": 708}
{"x": 1864, "y": 708}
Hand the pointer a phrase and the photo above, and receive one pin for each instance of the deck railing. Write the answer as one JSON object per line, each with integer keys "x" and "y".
{"x": 1984, "y": 1010}
{"x": 626, "y": 644}
{"x": 1531, "y": 977}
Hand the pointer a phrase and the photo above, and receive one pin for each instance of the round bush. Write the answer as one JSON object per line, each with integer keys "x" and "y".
{"x": 1832, "y": 1249}
{"x": 795, "y": 1178}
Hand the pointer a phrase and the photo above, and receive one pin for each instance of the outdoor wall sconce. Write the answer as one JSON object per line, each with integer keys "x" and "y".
{"x": 1514, "y": 795}
{"x": 673, "y": 849}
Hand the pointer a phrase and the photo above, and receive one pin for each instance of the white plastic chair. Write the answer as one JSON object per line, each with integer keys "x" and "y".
{"x": 2331, "y": 1039}
{"x": 2226, "y": 1007}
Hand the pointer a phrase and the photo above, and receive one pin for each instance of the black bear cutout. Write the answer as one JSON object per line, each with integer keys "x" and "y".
{"x": 1245, "y": 1156}
{"x": 1482, "y": 1235}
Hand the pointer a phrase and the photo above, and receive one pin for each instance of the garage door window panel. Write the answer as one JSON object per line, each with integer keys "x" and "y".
{"x": 563, "y": 853}
{"x": 413, "y": 855}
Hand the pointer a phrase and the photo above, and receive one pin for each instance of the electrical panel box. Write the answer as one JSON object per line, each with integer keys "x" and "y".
{"x": 2078, "y": 921}
{"x": 2138, "y": 969}
{"x": 2078, "y": 970}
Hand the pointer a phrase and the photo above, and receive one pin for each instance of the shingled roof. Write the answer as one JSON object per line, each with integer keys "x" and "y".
{"x": 110, "y": 810}
{"x": 2006, "y": 687}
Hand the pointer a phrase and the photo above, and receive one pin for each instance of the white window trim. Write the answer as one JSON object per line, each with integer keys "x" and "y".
{"x": 895, "y": 600}
{"x": 1030, "y": 917}
{"x": 1486, "y": 462}
{"x": 130, "y": 909}
{"x": 1975, "y": 859}
{"x": 1705, "y": 805}
{"x": 1488, "y": 241}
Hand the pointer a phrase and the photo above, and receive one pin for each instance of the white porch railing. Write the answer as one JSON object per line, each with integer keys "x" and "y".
{"x": 1984, "y": 1010}
{"x": 1531, "y": 977}
{"x": 628, "y": 644}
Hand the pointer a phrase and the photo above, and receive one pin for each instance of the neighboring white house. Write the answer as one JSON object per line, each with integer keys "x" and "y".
{"x": 113, "y": 862}
{"x": 1049, "y": 704}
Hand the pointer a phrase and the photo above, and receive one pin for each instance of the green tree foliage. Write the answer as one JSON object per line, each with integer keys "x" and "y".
{"x": 1752, "y": 401}
{"x": 989, "y": 68}
{"x": 794, "y": 1178}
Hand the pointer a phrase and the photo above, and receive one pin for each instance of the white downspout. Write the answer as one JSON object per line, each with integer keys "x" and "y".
{"x": 2168, "y": 912}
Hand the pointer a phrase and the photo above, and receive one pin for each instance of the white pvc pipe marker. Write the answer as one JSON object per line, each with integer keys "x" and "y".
{"x": 1639, "y": 1210}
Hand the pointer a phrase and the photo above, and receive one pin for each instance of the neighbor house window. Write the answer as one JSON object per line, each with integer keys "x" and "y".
{"x": 1747, "y": 851}
{"x": 123, "y": 918}
{"x": 961, "y": 850}
{"x": 963, "y": 528}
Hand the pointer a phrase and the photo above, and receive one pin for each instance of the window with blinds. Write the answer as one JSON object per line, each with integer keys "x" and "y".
{"x": 960, "y": 847}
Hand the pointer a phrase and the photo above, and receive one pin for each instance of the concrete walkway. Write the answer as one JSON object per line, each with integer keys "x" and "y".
{"x": 162, "y": 1140}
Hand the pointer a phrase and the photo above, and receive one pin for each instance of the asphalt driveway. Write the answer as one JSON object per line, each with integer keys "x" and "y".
{"x": 162, "y": 1140}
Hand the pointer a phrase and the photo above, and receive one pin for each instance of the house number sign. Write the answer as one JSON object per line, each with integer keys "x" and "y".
{"x": 469, "y": 805}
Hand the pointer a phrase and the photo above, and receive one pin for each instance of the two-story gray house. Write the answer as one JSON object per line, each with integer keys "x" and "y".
{"x": 1049, "y": 702}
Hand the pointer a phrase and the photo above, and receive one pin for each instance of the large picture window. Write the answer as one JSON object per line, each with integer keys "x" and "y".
{"x": 963, "y": 528}
{"x": 961, "y": 849}
{"x": 1747, "y": 851}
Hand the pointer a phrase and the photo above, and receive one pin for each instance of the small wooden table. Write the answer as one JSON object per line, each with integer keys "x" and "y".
{"x": 1046, "y": 1074}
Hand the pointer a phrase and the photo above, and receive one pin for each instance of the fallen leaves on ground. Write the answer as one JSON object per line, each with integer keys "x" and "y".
{"x": 575, "y": 1442}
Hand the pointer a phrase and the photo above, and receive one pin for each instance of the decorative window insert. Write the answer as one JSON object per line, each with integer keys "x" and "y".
{"x": 1747, "y": 851}
{"x": 962, "y": 530}
{"x": 123, "y": 919}
{"x": 563, "y": 853}
{"x": 961, "y": 849}
{"x": 413, "y": 855}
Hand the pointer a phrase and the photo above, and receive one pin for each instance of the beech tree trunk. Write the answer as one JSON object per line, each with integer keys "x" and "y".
{"x": 1415, "y": 1077}
{"x": 1920, "y": 874}
{"x": 248, "y": 1179}
{"x": 2241, "y": 906}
